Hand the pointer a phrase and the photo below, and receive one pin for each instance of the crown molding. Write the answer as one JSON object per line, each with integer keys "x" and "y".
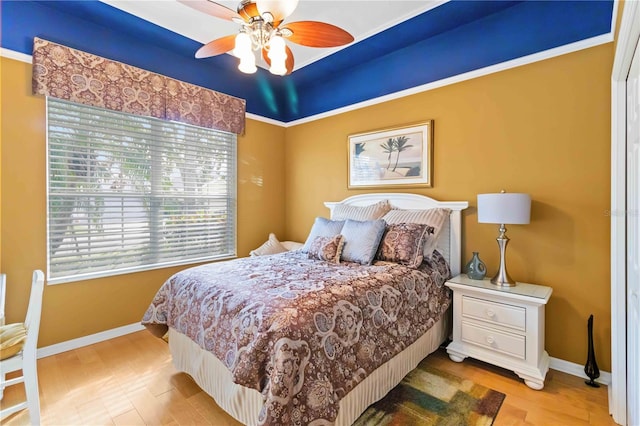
{"x": 525, "y": 60}
{"x": 12, "y": 54}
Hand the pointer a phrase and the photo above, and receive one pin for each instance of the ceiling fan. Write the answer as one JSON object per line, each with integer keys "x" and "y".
{"x": 262, "y": 28}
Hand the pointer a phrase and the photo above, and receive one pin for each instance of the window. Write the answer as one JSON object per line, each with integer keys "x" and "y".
{"x": 129, "y": 193}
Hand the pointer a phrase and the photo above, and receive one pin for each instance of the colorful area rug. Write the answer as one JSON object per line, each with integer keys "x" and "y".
{"x": 428, "y": 396}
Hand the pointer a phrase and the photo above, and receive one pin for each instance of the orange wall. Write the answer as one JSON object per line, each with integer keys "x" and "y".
{"x": 543, "y": 129}
{"x": 78, "y": 309}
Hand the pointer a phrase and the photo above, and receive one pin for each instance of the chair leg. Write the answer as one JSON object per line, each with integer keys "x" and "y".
{"x": 31, "y": 388}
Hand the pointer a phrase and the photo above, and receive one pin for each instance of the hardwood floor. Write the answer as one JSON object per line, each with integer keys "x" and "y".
{"x": 130, "y": 381}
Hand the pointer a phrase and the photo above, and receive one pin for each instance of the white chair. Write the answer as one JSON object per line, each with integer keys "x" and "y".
{"x": 25, "y": 359}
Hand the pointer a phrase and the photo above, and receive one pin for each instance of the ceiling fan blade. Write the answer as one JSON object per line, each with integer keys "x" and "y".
{"x": 216, "y": 47}
{"x": 279, "y": 9}
{"x": 211, "y": 8}
{"x": 318, "y": 34}
{"x": 289, "y": 62}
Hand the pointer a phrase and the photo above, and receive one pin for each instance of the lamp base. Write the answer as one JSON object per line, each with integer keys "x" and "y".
{"x": 502, "y": 278}
{"x": 503, "y": 283}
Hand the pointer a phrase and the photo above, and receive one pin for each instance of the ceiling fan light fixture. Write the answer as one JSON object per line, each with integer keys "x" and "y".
{"x": 261, "y": 31}
{"x": 243, "y": 47}
{"x": 277, "y": 48}
{"x": 278, "y": 67}
{"x": 278, "y": 55}
{"x": 248, "y": 64}
{"x": 282, "y": 8}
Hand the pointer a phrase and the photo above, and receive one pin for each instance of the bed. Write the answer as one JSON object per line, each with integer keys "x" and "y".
{"x": 288, "y": 339}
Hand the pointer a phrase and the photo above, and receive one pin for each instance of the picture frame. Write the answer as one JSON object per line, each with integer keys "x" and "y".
{"x": 391, "y": 158}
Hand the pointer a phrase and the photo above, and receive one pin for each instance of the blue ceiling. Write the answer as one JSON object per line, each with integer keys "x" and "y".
{"x": 454, "y": 38}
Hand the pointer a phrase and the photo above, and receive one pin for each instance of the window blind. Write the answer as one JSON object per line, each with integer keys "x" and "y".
{"x": 129, "y": 193}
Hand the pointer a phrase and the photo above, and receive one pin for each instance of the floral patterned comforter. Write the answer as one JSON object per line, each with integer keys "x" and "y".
{"x": 302, "y": 332}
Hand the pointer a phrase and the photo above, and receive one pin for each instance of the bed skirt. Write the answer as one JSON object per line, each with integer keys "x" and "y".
{"x": 244, "y": 404}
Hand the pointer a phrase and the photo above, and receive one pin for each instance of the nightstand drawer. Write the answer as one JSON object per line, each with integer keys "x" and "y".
{"x": 495, "y": 340}
{"x": 495, "y": 313}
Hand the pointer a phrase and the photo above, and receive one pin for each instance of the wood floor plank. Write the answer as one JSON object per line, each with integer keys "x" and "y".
{"x": 180, "y": 409}
{"x": 129, "y": 418}
{"x": 130, "y": 380}
{"x": 206, "y": 406}
{"x": 185, "y": 385}
{"x": 95, "y": 413}
{"x": 114, "y": 398}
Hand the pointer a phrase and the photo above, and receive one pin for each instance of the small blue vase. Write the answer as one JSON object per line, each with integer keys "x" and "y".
{"x": 476, "y": 269}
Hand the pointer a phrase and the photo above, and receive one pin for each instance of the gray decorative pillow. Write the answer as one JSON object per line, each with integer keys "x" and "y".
{"x": 326, "y": 248}
{"x": 361, "y": 240}
{"x": 370, "y": 212}
{"x": 404, "y": 243}
{"x": 322, "y": 227}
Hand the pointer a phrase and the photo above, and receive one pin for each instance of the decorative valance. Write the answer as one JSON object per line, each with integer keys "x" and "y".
{"x": 66, "y": 73}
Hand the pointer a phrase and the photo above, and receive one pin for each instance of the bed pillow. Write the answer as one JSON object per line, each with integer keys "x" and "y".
{"x": 437, "y": 218}
{"x": 327, "y": 248}
{"x": 271, "y": 246}
{"x": 361, "y": 213}
{"x": 322, "y": 227}
{"x": 361, "y": 240}
{"x": 404, "y": 243}
{"x": 291, "y": 245}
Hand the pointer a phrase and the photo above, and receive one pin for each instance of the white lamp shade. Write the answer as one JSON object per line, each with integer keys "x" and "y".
{"x": 248, "y": 64}
{"x": 277, "y": 48}
{"x": 278, "y": 67}
{"x": 242, "y": 47}
{"x": 278, "y": 55}
{"x": 283, "y": 8}
{"x": 504, "y": 208}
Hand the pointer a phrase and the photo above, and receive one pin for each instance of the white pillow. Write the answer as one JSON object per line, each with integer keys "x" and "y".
{"x": 291, "y": 245}
{"x": 360, "y": 213}
{"x": 271, "y": 246}
{"x": 437, "y": 218}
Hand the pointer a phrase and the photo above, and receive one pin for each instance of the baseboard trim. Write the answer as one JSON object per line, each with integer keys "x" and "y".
{"x": 80, "y": 342}
{"x": 577, "y": 370}
{"x": 554, "y": 363}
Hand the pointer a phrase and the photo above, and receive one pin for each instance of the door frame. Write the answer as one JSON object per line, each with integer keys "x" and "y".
{"x": 625, "y": 47}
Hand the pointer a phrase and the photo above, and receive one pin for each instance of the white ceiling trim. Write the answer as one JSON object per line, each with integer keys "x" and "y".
{"x": 266, "y": 120}
{"x": 12, "y": 54}
{"x": 525, "y": 60}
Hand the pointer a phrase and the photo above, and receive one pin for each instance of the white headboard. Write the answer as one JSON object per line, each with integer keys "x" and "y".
{"x": 450, "y": 247}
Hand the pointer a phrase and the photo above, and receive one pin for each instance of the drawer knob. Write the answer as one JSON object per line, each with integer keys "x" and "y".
{"x": 490, "y": 313}
{"x": 490, "y": 340}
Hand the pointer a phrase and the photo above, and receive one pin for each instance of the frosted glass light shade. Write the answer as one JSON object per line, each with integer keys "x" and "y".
{"x": 283, "y": 7}
{"x": 277, "y": 48}
{"x": 504, "y": 208}
{"x": 278, "y": 55}
{"x": 248, "y": 64}
{"x": 278, "y": 67}
{"x": 242, "y": 47}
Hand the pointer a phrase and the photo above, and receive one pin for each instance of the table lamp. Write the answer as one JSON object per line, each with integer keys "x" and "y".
{"x": 504, "y": 208}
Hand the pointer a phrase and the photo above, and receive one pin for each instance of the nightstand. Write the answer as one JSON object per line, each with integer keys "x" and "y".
{"x": 503, "y": 326}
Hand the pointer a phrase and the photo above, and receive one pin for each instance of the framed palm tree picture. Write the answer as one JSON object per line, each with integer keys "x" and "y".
{"x": 401, "y": 156}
